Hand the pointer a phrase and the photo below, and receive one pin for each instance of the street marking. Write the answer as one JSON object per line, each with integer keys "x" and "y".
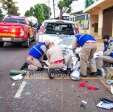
{"x": 56, "y": 78}
{"x": 21, "y": 88}
{"x": 43, "y": 76}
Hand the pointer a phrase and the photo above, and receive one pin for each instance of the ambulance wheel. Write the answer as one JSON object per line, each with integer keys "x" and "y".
{"x": 50, "y": 74}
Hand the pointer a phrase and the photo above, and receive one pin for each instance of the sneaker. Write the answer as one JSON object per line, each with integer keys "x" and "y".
{"x": 40, "y": 69}
{"x": 24, "y": 66}
{"x": 83, "y": 75}
{"x": 94, "y": 74}
{"x": 99, "y": 72}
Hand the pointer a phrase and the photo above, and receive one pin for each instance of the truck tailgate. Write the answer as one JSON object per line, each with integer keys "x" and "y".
{"x": 9, "y": 30}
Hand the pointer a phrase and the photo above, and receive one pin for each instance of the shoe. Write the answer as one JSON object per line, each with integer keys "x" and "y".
{"x": 105, "y": 100}
{"x": 40, "y": 69}
{"x": 99, "y": 72}
{"x": 94, "y": 74}
{"x": 24, "y": 66}
{"x": 83, "y": 75}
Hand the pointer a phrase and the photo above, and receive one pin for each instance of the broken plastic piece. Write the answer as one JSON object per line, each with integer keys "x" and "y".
{"x": 105, "y": 105}
{"x": 109, "y": 82}
{"x": 83, "y": 101}
{"x": 83, "y": 84}
{"x": 90, "y": 87}
{"x": 17, "y": 77}
{"x": 111, "y": 89}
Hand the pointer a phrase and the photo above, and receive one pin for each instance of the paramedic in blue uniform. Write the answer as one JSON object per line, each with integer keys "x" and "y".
{"x": 88, "y": 48}
{"x": 107, "y": 57}
{"x": 35, "y": 55}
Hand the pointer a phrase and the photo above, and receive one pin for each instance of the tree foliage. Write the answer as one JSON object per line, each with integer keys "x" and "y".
{"x": 40, "y": 11}
{"x": 30, "y": 12}
{"x": 1, "y": 15}
{"x": 27, "y": 13}
{"x": 10, "y": 7}
{"x": 89, "y": 2}
{"x": 67, "y": 2}
{"x": 61, "y": 5}
{"x": 47, "y": 11}
{"x": 64, "y": 6}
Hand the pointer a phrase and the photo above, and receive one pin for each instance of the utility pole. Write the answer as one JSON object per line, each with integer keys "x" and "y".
{"x": 54, "y": 8}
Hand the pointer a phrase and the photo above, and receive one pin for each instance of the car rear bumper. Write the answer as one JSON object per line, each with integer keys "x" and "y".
{"x": 9, "y": 39}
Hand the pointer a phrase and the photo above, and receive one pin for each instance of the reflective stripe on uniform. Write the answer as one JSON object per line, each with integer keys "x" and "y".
{"x": 37, "y": 50}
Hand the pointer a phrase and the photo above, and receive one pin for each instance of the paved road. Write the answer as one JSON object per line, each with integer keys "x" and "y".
{"x": 39, "y": 94}
{"x": 11, "y": 57}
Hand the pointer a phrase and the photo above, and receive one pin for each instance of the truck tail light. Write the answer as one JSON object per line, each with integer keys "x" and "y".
{"x": 13, "y": 30}
{"x": 21, "y": 32}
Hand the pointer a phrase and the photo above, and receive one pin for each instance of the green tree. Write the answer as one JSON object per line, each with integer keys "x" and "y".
{"x": 30, "y": 12}
{"x": 1, "y": 15}
{"x": 27, "y": 13}
{"x": 47, "y": 11}
{"x": 10, "y": 7}
{"x": 64, "y": 6}
{"x": 60, "y": 6}
{"x": 40, "y": 11}
{"x": 68, "y": 2}
{"x": 89, "y": 2}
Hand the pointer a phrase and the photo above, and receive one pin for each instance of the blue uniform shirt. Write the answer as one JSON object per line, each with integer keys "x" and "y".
{"x": 36, "y": 51}
{"x": 83, "y": 38}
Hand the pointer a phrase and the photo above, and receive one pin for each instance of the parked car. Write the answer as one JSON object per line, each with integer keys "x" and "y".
{"x": 60, "y": 31}
{"x": 16, "y": 29}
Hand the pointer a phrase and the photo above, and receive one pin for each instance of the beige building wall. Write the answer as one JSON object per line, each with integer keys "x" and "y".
{"x": 97, "y": 9}
{"x": 100, "y": 23}
{"x": 112, "y": 28}
{"x": 107, "y": 21}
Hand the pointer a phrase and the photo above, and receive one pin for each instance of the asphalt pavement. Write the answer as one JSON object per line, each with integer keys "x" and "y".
{"x": 11, "y": 57}
{"x": 38, "y": 93}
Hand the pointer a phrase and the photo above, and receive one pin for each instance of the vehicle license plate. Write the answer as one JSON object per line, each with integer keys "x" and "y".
{"x": 6, "y": 39}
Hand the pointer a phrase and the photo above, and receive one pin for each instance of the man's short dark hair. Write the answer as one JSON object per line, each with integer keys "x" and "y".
{"x": 106, "y": 37}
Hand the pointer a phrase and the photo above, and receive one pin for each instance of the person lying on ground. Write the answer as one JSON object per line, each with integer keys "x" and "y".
{"x": 55, "y": 56}
{"x": 107, "y": 58}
